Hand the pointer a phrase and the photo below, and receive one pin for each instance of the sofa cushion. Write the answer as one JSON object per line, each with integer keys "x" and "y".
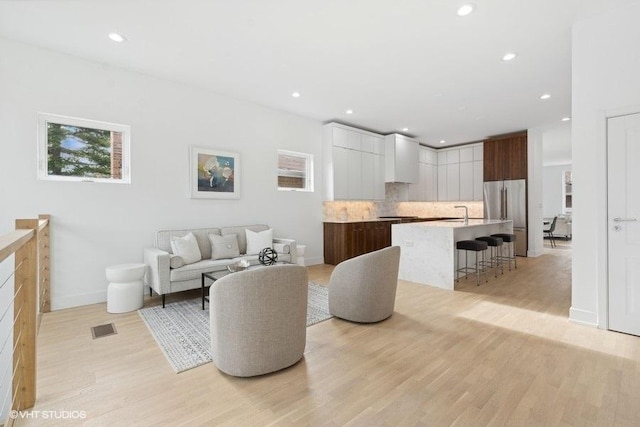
{"x": 176, "y": 261}
{"x": 195, "y": 270}
{"x": 257, "y": 241}
{"x": 187, "y": 248}
{"x": 240, "y": 231}
{"x": 224, "y": 246}
{"x": 163, "y": 239}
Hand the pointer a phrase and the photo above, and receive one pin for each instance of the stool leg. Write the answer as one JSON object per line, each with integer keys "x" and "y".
{"x": 466, "y": 265}
{"x": 484, "y": 262}
{"x": 457, "y": 265}
{"x": 477, "y": 271}
{"x": 515, "y": 259}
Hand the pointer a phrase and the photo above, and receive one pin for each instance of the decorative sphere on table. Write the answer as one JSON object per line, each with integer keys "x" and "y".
{"x": 267, "y": 256}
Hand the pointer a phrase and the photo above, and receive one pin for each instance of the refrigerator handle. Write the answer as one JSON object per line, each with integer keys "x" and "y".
{"x": 506, "y": 203}
{"x": 501, "y": 203}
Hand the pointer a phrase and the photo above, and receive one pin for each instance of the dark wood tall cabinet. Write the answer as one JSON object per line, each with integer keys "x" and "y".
{"x": 505, "y": 157}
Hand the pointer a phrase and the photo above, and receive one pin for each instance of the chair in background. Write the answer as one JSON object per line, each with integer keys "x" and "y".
{"x": 549, "y": 231}
{"x": 363, "y": 289}
{"x": 259, "y": 319}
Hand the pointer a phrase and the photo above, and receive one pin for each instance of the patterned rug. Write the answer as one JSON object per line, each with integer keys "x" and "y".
{"x": 182, "y": 328}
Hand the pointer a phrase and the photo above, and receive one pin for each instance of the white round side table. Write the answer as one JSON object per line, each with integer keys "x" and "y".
{"x": 301, "y": 250}
{"x": 125, "y": 291}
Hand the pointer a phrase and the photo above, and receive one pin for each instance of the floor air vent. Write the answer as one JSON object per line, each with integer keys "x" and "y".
{"x": 103, "y": 330}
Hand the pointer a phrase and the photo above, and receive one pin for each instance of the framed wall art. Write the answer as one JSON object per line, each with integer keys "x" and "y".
{"x": 214, "y": 174}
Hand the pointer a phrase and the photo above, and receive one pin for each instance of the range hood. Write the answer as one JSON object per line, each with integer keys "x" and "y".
{"x": 401, "y": 159}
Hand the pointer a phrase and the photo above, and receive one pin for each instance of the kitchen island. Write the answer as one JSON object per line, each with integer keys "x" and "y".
{"x": 428, "y": 249}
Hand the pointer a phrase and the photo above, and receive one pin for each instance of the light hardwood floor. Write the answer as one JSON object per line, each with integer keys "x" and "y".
{"x": 503, "y": 353}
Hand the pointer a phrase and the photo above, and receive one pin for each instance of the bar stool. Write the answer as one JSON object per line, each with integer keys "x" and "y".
{"x": 495, "y": 262}
{"x": 510, "y": 241}
{"x": 474, "y": 246}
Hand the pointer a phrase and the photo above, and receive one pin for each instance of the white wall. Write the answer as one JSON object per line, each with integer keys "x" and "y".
{"x": 95, "y": 225}
{"x": 552, "y": 183}
{"x": 606, "y": 82}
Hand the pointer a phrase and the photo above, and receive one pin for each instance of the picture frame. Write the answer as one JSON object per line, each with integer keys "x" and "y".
{"x": 214, "y": 174}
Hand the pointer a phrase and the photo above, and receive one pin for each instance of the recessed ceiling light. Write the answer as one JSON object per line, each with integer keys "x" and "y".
{"x": 545, "y": 96}
{"x": 405, "y": 129}
{"x": 465, "y": 9}
{"x": 349, "y": 111}
{"x": 442, "y": 141}
{"x": 566, "y": 119}
{"x": 119, "y": 38}
{"x": 509, "y": 56}
{"x": 296, "y": 94}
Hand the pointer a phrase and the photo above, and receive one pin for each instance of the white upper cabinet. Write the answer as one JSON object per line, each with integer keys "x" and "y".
{"x": 401, "y": 159}
{"x": 460, "y": 173}
{"x": 426, "y": 189}
{"x": 353, "y": 163}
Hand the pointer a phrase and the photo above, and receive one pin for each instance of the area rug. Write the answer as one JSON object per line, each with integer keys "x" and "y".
{"x": 182, "y": 328}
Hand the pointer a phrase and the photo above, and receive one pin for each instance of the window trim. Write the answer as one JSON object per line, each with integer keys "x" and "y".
{"x": 43, "y": 147}
{"x": 308, "y": 188}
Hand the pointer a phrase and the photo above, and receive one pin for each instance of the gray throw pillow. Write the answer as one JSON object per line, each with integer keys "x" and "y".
{"x": 223, "y": 247}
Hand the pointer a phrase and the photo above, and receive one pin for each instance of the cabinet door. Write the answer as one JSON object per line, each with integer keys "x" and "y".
{"x": 442, "y": 183}
{"x": 478, "y": 152}
{"x": 453, "y": 156}
{"x": 466, "y": 154}
{"x": 466, "y": 181}
{"x": 453, "y": 182}
{"x": 516, "y": 158}
{"x": 406, "y": 160}
{"x": 354, "y": 140}
{"x": 379, "y": 190}
{"x": 340, "y": 173}
{"x": 442, "y": 158}
{"x": 368, "y": 176}
{"x": 493, "y": 158}
{"x": 355, "y": 174}
{"x": 340, "y": 137}
{"x": 478, "y": 184}
{"x": 431, "y": 183}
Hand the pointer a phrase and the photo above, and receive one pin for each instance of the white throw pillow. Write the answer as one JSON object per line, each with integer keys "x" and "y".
{"x": 187, "y": 248}
{"x": 223, "y": 247}
{"x": 258, "y": 241}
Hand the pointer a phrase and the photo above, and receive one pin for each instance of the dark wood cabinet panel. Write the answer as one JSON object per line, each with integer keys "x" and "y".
{"x": 505, "y": 157}
{"x": 347, "y": 240}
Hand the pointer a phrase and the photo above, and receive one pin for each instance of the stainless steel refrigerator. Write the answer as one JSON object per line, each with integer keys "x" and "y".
{"x": 508, "y": 200}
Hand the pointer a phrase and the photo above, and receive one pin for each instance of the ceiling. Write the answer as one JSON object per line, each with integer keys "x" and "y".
{"x": 402, "y": 64}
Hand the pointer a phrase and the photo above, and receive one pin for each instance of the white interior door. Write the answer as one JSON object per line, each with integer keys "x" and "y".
{"x": 623, "y": 145}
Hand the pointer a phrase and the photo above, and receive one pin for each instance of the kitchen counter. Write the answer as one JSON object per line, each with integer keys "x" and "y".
{"x": 428, "y": 254}
{"x": 393, "y": 219}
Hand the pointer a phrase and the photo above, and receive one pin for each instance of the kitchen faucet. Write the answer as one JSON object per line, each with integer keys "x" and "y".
{"x": 466, "y": 212}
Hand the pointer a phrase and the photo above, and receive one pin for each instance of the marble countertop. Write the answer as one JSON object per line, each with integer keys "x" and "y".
{"x": 455, "y": 223}
{"x": 406, "y": 219}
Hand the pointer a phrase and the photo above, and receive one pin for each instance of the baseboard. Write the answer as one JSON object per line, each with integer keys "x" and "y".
{"x": 59, "y": 303}
{"x": 583, "y": 317}
{"x": 534, "y": 254}
{"x": 314, "y": 260}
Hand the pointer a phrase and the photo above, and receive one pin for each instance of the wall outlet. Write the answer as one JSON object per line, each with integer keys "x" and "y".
{"x": 408, "y": 243}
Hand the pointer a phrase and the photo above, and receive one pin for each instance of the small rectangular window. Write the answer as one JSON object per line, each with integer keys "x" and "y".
{"x": 72, "y": 149}
{"x": 295, "y": 171}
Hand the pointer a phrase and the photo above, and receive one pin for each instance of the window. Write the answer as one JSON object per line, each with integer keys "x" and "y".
{"x": 295, "y": 171}
{"x": 71, "y": 149}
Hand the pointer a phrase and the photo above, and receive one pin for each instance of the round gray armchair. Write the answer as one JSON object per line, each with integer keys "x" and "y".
{"x": 363, "y": 289}
{"x": 259, "y": 319}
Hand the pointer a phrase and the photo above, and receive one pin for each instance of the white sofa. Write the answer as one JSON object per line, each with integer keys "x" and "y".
{"x": 163, "y": 279}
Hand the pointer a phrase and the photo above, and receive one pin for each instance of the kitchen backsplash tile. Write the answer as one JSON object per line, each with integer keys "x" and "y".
{"x": 358, "y": 210}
